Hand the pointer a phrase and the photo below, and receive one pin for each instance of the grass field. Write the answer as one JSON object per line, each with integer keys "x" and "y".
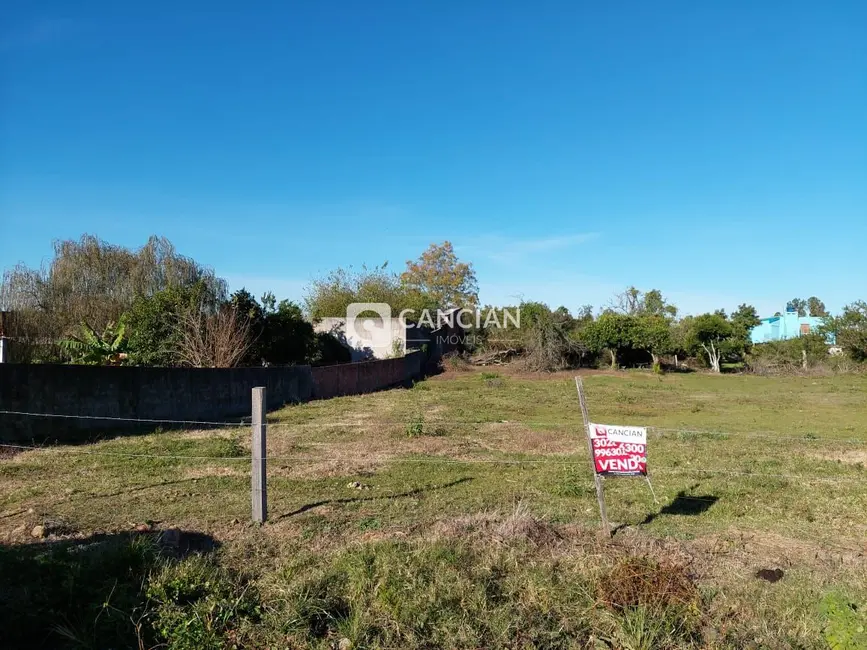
{"x": 458, "y": 513}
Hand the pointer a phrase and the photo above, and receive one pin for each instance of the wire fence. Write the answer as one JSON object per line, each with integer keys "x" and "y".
{"x": 580, "y": 450}
{"x": 808, "y": 436}
{"x": 576, "y": 459}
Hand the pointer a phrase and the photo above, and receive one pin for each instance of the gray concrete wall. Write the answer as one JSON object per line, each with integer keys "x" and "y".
{"x": 190, "y": 394}
{"x": 367, "y": 376}
{"x": 202, "y": 394}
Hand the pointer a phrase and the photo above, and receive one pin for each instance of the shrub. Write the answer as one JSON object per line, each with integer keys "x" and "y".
{"x": 792, "y": 355}
{"x": 415, "y": 426}
{"x": 198, "y": 605}
{"x": 455, "y": 361}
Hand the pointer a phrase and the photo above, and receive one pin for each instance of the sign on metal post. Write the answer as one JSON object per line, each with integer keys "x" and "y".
{"x": 619, "y": 451}
{"x": 614, "y": 451}
{"x": 258, "y": 446}
{"x": 600, "y": 494}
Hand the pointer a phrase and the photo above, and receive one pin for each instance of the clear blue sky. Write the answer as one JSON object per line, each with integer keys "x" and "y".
{"x": 714, "y": 150}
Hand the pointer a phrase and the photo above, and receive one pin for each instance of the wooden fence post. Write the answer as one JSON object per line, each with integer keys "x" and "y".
{"x": 600, "y": 494}
{"x": 259, "y": 491}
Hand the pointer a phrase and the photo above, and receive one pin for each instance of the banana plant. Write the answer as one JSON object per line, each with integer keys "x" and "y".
{"x": 93, "y": 348}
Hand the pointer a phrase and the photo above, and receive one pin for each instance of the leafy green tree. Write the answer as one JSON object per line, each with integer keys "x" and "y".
{"x": 633, "y": 302}
{"x": 653, "y": 333}
{"x": 153, "y": 321}
{"x": 584, "y": 315}
{"x": 500, "y": 334}
{"x": 611, "y": 332}
{"x": 850, "y": 330}
{"x": 92, "y": 348}
{"x": 799, "y": 305}
{"x": 816, "y": 307}
{"x": 563, "y": 317}
{"x": 713, "y": 335}
{"x": 331, "y": 295}
{"x": 247, "y": 306}
{"x": 279, "y": 334}
{"x": 654, "y": 304}
{"x": 439, "y": 274}
{"x": 746, "y": 317}
{"x": 288, "y": 338}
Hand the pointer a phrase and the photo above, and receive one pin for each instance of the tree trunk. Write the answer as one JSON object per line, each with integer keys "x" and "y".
{"x": 713, "y": 356}
{"x": 654, "y": 358}
{"x": 804, "y": 359}
{"x": 613, "y": 359}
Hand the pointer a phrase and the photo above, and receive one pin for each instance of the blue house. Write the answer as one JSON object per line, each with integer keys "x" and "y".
{"x": 784, "y": 326}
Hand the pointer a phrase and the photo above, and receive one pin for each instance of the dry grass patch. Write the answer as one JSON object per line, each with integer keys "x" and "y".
{"x": 215, "y": 470}
{"x": 849, "y": 457}
{"x": 520, "y": 525}
{"x": 647, "y": 582}
{"x": 514, "y": 437}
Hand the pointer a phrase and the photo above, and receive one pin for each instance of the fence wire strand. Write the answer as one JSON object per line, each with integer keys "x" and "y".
{"x": 578, "y": 425}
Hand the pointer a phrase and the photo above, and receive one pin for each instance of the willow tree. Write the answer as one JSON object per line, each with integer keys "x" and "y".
{"x": 94, "y": 282}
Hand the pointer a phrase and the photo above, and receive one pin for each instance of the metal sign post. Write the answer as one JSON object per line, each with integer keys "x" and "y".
{"x": 600, "y": 494}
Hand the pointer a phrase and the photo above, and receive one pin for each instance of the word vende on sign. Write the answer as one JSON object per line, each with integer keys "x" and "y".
{"x": 621, "y": 451}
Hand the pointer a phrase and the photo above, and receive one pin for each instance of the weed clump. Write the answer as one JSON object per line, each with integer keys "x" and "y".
{"x": 415, "y": 426}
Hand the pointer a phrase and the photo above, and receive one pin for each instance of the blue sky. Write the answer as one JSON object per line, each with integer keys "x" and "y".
{"x": 717, "y": 151}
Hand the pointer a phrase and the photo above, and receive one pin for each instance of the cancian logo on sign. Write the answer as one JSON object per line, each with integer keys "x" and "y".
{"x": 619, "y": 451}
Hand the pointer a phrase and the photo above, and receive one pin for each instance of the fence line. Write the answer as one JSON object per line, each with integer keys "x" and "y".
{"x": 116, "y": 419}
{"x": 445, "y": 461}
{"x": 806, "y": 437}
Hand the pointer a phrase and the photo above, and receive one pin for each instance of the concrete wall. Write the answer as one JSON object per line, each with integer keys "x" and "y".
{"x": 367, "y": 376}
{"x": 192, "y": 394}
{"x": 202, "y": 394}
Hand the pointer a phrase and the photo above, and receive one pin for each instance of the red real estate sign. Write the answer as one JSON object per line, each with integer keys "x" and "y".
{"x": 619, "y": 451}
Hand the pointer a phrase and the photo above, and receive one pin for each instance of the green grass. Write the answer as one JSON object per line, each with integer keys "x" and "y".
{"x": 461, "y": 513}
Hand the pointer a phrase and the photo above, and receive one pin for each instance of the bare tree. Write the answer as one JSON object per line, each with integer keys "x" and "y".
{"x": 212, "y": 340}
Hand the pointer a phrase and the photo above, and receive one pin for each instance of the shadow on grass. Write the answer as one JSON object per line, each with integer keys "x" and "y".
{"x": 684, "y": 504}
{"x": 408, "y": 493}
{"x": 87, "y": 592}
